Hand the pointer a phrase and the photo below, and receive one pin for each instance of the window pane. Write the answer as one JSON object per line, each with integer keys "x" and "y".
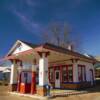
{"x": 81, "y": 73}
{"x": 64, "y": 73}
{"x": 51, "y": 74}
{"x": 57, "y": 75}
{"x": 70, "y": 73}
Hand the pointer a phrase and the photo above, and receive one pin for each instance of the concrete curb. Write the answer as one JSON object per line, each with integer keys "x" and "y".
{"x": 35, "y": 96}
{"x": 69, "y": 93}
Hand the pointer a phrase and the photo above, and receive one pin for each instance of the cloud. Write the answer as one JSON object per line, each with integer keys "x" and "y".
{"x": 30, "y": 25}
{"x": 24, "y": 10}
{"x": 34, "y": 14}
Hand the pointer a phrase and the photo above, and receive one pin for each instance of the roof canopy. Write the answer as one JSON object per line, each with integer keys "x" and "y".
{"x": 55, "y": 51}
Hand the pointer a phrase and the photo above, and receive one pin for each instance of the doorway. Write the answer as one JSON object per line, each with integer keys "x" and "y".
{"x": 91, "y": 76}
{"x": 57, "y": 79}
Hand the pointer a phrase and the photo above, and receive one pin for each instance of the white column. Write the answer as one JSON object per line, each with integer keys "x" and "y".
{"x": 43, "y": 70}
{"x": 75, "y": 72}
{"x": 13, "y": 75}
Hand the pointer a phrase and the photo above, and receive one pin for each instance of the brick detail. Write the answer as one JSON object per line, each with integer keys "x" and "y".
{"x": 41, "y": 91}
{"x": 33, "y": 84}
{"x": 74, "y": 85}
{"x": 13, "y": 87}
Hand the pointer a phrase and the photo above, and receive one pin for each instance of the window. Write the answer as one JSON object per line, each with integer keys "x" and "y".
{"x": 51, "y": 74}
{"x": 57, "y": 75}
{"x": 26, "y": 77}
{"x": 67, "y": 73}
{"x": 64, "y": 73}
{"x": 84, "y": 73}
{"x": 81, "y": 73}
{"x": 70, "y": 74}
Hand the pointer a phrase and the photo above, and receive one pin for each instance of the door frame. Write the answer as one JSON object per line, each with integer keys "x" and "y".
{"x": 91, "y": 76}
{"x": 56, "y": 80}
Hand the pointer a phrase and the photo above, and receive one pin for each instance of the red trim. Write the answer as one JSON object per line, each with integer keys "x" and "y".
{"x": 60, "y": 69}
{"x": 53, "y": 74}
{"x": 60, "y": 73}
{"x": 33, "y": 84}
{"x": 20, "y": 53}
{"x": 70, "y": 65}
{"x": 54, "y": 48}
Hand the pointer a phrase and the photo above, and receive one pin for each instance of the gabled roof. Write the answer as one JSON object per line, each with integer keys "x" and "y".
{"x": 54, "y": 48}
{"x": 17, "y": 42}
{"x": 67, "y": 51}
{"x": 30, "y": 44}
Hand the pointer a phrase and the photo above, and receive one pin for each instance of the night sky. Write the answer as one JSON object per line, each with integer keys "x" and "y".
{"x": 27, "y": 19}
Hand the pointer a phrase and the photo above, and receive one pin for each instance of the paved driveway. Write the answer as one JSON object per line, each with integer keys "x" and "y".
{"x": 4, "y": 95}
{"x": 94, "y": 94}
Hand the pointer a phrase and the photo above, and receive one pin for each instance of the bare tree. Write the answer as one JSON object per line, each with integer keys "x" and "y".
{"x": 52, "y": 34}
{"x": 65, "y": 33}
{"x": 58, "y": 34}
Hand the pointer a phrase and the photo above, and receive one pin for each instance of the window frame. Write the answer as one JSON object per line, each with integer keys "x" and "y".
{"x": 67, "y": 73}
{"x": 53, "y": 74}
{"x": 83, "y": 75}
{"x": 62, "y": 73}
{"x": 72, "y": 73}
{"x": 60, "y": 67}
